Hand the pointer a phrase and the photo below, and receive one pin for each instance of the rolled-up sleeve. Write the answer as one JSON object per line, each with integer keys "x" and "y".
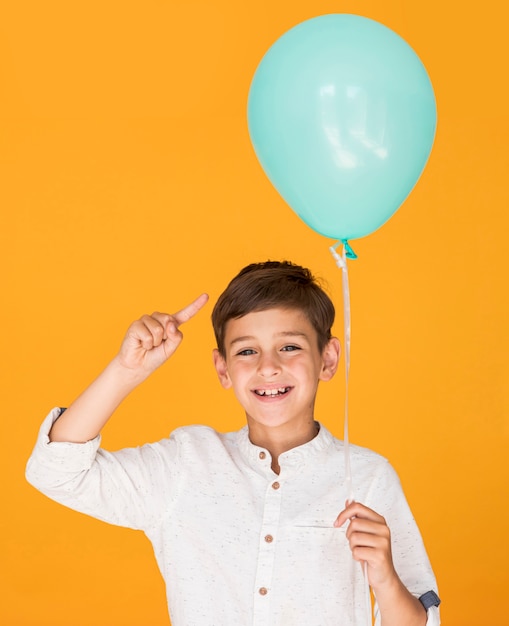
{"x": 130, "y": 487}
{"x": 49, "y": 460}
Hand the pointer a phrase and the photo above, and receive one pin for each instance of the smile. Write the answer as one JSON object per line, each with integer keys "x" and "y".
{"x": 280, "y": 391}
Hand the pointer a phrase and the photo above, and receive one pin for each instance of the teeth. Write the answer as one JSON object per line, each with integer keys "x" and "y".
{"x": 271, "y": 392}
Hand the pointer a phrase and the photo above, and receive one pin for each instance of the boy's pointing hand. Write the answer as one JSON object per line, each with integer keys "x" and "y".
{"x": 151, "y": 340}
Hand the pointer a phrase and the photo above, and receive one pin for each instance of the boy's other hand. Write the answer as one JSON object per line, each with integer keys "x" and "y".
{"x": 370, "y": 542}
{"x": 151, "y": 340}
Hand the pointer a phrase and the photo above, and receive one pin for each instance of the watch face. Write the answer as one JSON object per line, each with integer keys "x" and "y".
{"x": 429, "y": 599}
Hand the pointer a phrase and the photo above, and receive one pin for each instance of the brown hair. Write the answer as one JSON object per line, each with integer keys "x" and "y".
{"x": 269, "y": 285}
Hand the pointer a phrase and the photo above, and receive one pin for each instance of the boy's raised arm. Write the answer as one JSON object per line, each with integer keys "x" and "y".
{"x": 149, "y": 342}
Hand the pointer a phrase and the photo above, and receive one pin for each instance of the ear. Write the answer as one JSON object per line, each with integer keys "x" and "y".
{"x": 330, "y": 359}
{"x": 221, "y": 369}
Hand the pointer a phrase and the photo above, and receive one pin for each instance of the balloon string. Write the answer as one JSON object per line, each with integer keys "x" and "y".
{"x": 341, "y": 262}
{"x": 367, "y": 594}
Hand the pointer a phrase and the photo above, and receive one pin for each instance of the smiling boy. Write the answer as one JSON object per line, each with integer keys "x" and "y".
{"x": 272, "y": 361}
{"x": 248, "y": 528}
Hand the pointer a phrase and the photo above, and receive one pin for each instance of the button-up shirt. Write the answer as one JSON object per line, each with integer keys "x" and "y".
{"x": 237, "y": 544}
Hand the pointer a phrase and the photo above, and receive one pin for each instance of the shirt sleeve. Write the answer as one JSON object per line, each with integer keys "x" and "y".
{"x": 132, "y": 487}
{"x": 409, "y": 555}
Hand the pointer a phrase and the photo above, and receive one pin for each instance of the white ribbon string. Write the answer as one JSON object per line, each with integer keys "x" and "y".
{"x": 341, "y": 262}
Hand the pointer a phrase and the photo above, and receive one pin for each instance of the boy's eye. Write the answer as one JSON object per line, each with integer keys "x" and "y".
{"x": 290, "y": 348}
{"x": 246, "y": 352}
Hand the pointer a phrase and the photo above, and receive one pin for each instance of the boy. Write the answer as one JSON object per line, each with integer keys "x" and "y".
{"x": 247, "y": 527}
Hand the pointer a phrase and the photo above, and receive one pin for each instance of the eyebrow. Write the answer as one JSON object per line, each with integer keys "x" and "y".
{"x": 286, "y": 333}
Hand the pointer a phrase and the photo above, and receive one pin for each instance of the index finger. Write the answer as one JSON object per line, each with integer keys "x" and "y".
{"x": 356, "y": 509}
{"x": 189, "y": 311}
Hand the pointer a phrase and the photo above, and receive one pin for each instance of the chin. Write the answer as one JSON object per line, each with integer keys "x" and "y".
{"x": 270, "y": 422}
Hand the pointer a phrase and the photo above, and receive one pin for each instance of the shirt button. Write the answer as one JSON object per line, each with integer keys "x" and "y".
{"x": 262, "y": 455}
{"x": 275, "y": 485}
{"x": 263, "y": 591}
{"x": 269, "y": 538}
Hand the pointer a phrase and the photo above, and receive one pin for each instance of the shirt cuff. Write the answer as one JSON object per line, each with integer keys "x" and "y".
{"x": 72, "y": 457}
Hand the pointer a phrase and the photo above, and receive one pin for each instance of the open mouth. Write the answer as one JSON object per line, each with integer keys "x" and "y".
{"x": 272, "y": 393}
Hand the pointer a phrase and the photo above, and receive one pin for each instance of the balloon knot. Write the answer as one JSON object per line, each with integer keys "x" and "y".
{"x": 350, "y": 254}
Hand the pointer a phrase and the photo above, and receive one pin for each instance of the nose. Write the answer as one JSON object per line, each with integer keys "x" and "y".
{"x": 268, "y": 365}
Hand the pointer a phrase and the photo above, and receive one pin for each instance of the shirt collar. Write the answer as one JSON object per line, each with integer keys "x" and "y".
{"x": 290, "y": 461}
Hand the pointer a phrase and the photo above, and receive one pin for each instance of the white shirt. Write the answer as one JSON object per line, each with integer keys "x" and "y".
{"x": 237, "y": 544}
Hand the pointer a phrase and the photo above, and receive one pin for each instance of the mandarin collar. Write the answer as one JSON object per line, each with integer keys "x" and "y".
{"x": 259, "y": 458}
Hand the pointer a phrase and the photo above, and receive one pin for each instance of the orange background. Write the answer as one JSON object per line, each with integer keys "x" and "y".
{"x": 128, "y": 184}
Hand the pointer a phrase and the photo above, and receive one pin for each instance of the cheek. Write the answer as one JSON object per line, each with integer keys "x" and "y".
{"x": 238, "y": 376}
{"x": 311, "y": 375}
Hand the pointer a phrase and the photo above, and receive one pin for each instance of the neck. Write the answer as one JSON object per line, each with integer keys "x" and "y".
{"x": 280, "y": 439}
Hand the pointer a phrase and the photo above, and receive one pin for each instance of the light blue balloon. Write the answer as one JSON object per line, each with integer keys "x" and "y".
{"x": 342, "y": 117}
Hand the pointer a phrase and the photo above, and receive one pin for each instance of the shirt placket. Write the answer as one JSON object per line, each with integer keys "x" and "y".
{"x": 266, "y": 553}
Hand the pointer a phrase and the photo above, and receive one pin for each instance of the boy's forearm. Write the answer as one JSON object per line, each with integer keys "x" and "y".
{"x": 149, "y": 342}
{"x": 398, "y": 607}
{"x": 87, "y": 415}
